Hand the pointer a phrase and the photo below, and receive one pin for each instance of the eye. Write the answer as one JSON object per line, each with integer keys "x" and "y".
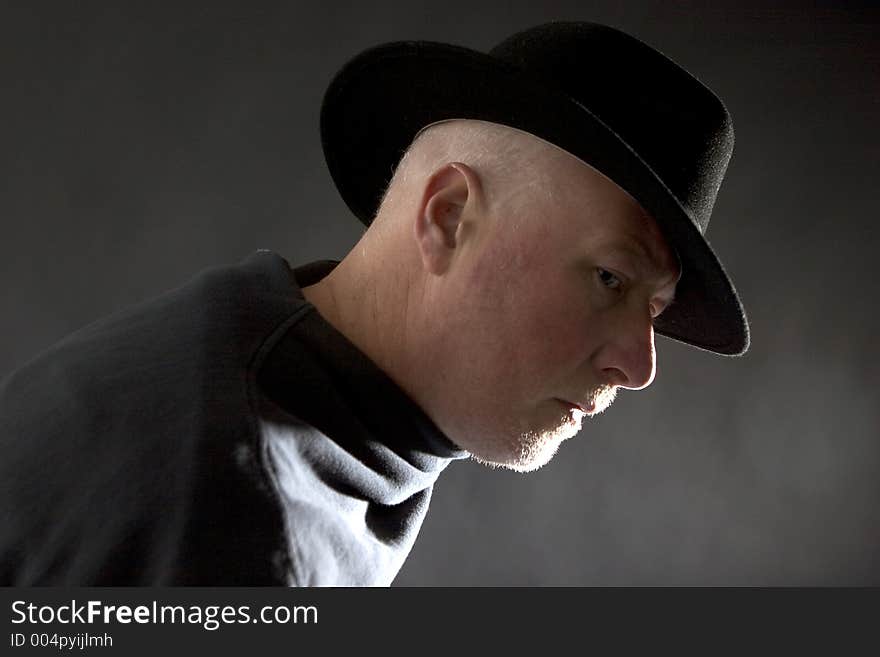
{"x": 608, "y": 279}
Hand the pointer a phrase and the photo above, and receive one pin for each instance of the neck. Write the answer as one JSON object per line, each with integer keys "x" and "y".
{"x": 367, "y": 298}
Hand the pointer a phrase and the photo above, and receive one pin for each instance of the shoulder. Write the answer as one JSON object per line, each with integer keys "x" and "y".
{"x": 215, "y": 321}
{"x": 217, "y": 307}
{"x": 137, "y": 422}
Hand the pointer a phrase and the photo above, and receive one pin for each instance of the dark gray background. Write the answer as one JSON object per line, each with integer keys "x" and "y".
{"x": 140, "y": 145}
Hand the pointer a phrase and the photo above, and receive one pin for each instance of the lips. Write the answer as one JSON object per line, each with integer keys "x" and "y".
{"x": 586, "y": 408}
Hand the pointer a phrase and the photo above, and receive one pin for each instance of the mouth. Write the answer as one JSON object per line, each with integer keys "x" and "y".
{"x": 586, "y": 408}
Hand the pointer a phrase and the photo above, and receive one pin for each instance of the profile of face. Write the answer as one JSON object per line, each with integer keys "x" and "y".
{"x": 541, "y": 297}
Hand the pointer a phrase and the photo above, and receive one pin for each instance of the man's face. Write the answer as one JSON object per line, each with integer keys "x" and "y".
{"x": 548, "y": 311}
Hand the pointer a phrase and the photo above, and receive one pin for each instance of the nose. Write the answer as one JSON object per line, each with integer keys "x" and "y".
{"x": 628, "y": 359}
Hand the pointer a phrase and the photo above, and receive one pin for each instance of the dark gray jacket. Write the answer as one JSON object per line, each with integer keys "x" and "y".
{"x": 221, "y": 433}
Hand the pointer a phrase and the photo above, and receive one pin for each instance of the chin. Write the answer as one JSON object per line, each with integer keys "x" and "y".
{"x": 527, "y": 461}
{"x": 530, "y": 451}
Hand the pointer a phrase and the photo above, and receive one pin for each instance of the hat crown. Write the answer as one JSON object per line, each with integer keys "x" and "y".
{"x": 600, "y": 94}
{"x": 675, "y": 123}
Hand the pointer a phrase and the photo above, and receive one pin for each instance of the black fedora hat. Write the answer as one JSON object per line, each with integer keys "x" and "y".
{"x": 600, "y": 94}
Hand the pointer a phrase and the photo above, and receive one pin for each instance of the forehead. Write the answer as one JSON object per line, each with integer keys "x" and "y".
{"x": 593, "y": 213}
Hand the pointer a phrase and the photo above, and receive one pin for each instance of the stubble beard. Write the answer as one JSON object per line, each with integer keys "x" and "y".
{"x": 533, "y": 449}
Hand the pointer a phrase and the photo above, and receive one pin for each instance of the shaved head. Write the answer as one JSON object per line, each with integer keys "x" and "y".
{"x": 512, "y": 164}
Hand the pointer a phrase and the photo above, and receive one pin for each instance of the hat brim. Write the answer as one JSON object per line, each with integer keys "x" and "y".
{"x": 380, "y": 100}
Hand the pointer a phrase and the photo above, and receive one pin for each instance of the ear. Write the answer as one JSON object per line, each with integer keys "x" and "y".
{"x": 440, "y": 226}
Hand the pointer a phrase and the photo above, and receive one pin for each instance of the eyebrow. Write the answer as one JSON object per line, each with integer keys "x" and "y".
{"x": 646, "y": 264}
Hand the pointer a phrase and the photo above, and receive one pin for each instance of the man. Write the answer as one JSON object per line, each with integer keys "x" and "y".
{"x": 262, "y": 425}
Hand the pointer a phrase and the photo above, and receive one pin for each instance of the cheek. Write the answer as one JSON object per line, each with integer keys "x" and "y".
{"x": 554, "y": 330}
{"x": 528, "y": 315}
{"x": 546, "y": 322}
